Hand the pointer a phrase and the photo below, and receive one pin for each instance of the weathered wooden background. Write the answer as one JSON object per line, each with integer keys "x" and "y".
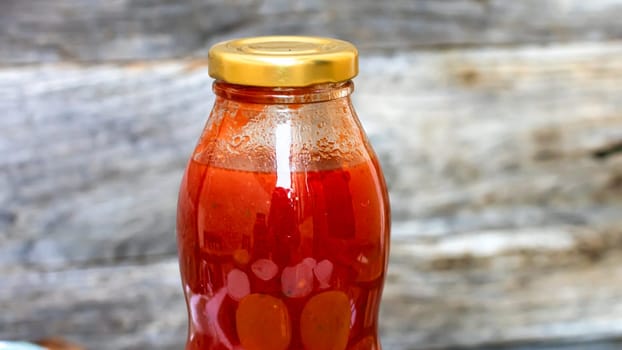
{"x": 498, "y": 123}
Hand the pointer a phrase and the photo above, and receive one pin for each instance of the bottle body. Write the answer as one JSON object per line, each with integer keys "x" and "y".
{"x": 283, "y": 223}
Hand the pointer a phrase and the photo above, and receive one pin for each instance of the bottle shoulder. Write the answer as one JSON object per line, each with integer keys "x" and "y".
{"x": 302, "y": 136}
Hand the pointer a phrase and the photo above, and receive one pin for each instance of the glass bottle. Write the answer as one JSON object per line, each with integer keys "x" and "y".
{"x": 283, "y": 216}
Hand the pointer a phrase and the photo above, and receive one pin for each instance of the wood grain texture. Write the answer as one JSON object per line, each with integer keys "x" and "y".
{"x": 504, "y": 287}
{"x": 491, "y": 139}
{"x": 81, "y": 147}
{"x": 504, "y": 168}
{"x": 124, "y": 306}
{"x": 36, "y": 30}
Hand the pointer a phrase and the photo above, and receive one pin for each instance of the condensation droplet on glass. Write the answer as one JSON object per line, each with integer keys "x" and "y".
{"x": 232, "y": 108}
{"x": 238, "y": 140}
{"x": 305, "y": 158}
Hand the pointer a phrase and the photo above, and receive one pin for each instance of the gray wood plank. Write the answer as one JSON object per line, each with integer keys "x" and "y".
{"x": 470, "y": 140}
{"x": 40, "y": 30}
{"x": 496, "y": 138}
{"x": 509, "y": 288}
{"x": 123, "y": 306}
{"x": 81, "y": 146}
{"x": 563, "y": 346}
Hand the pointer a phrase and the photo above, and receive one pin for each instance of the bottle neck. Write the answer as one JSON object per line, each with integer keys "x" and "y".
{"x": 283, "y": 95}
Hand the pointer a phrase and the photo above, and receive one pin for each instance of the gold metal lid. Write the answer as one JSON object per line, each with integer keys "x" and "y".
{"x": 283, "y": 61}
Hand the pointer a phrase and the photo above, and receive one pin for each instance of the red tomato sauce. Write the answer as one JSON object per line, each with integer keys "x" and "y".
{"x": 268, "y": 267}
